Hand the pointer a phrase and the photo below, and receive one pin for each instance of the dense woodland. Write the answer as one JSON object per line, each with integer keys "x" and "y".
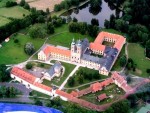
{"x": 134, "y": 21}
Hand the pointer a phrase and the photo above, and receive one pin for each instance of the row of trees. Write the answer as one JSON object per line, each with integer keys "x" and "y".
{"x": 8, "y": 92}
{"x": 4, "y": 73}
{"x": 83, "y": 28}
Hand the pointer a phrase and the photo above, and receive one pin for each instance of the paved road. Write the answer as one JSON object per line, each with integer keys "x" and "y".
{"x": 71, "y": 74}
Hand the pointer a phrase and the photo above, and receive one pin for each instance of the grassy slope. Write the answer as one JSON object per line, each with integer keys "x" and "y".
{"x": 14, "y": 12}
{"x": 136, "y": 52}
{"x": 4, "y": 21}
{"x": 14, "y": 52}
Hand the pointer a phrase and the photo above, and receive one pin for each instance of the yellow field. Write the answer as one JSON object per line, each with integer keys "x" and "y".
{"x": 43, "y": 4}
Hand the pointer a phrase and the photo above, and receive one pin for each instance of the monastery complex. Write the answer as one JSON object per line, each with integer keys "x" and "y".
{"x": 84, "y": 53}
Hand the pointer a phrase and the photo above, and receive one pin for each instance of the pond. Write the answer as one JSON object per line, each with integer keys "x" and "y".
{"x": 25, "y": 108}
{"x": 85, "y": 13}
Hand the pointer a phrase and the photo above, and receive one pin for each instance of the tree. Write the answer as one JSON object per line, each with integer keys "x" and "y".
{"x": 50, "y": 28}
{"x": 80, "y": 79}
{"x": 4, "y": 74}
{"x": 95, "y": 21}
{"x": 95, "y": 3}
{"x": 38, "y": 102}
{"x": 106, "y": 24}
{"x": 74, "y": 19}
{"x": 26, "y": 6}
{"x": 29, "y": 65}
{"x": 37, "y": 32}
{"x": 22, "y": 2}
{"x": 29, "y": 48}
{"x": 123, "y": 60}
{"x": 71, "y": 81}
{"x": 148, "y": 44}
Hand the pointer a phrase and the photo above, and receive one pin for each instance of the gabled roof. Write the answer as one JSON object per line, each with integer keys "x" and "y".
{"x": 23, "y": 75}
{"x": 97, "y": 47}
{"x": 102, "y": 96}
{"x": 43, "y": 86}
{"x": 52, "y": 49}
{"x": 64, "y": 94}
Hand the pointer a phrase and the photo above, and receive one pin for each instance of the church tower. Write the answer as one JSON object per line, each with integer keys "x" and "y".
{"x": 76, "y": 51}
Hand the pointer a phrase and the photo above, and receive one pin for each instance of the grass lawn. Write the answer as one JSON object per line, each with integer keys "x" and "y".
{"x": 65, "y": 38}
{"x": 85, "y": 81}
{"x": 4, "y": 21}
{"x": 46, "y": 82}
{"x": 136, "y": 52}
{"x": 14, "y": 52}
{"x": 39, "y": 94}
{"x": 68, "y": 70}
{"x": 117, "y": 66}
{"x": 112, "y": 31}
{"x": 14, "y": 12}
{"x": 109, "y": 90}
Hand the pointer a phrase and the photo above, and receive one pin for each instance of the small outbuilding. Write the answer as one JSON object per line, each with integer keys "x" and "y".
{"x": 102, "y": 97}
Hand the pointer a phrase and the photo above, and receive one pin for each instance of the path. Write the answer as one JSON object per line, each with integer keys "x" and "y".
{"x": 71, "y": 74}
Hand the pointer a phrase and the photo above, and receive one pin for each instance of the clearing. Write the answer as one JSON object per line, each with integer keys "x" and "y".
{"x": 14, "y": 12}
{"x": 136, "y": 52}
{"x": 4, "y": 21}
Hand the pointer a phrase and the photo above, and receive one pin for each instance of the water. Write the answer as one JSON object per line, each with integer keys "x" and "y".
{"x": 25, "y": 108}
{"x": 85, "y": 14}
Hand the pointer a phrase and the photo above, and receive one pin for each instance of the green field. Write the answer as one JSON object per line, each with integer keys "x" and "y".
{"x": 4, "y": 21}
{"x": 13, "y": 12}
{"x": 136, "y": 52}
{"x": 14, "y": 52}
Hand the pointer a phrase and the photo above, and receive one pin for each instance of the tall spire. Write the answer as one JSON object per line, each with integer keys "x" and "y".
{"x": 73, "y": 42}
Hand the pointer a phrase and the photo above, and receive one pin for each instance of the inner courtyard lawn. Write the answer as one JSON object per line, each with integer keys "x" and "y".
{"x": 136, "y": 52}
{"x": 14, "y": 12}
{"x": 12, "y": 53}
{"x": 4, "y": 21}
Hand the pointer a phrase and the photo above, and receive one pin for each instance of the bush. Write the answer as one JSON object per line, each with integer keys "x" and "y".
{"x": 148, "y": 71}
{"x": 16, "y": 41}
{"x": 11, "y": 4}
{"x": 29, "y": 66}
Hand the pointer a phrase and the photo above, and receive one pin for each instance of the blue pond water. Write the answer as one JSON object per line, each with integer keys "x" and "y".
{"x": 25, "y": 108}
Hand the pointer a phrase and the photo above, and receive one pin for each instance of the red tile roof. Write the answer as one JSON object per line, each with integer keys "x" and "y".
{"x": 98, "y": 47}
{"x": 102, "y": 96}
{"x": 64, "y": 94}
{"x": 23, "y": 75}
{"x": 74, "y": 93}
{"x": 52, "y": 49}
{"x": 43, "y": 86}
{"x": 121, "y": 81}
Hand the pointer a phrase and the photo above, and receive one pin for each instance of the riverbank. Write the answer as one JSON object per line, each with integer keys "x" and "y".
{"x": 59, "y": 13}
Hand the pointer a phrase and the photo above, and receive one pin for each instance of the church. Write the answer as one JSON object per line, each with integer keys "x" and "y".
{"x": 93, "y": 55}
